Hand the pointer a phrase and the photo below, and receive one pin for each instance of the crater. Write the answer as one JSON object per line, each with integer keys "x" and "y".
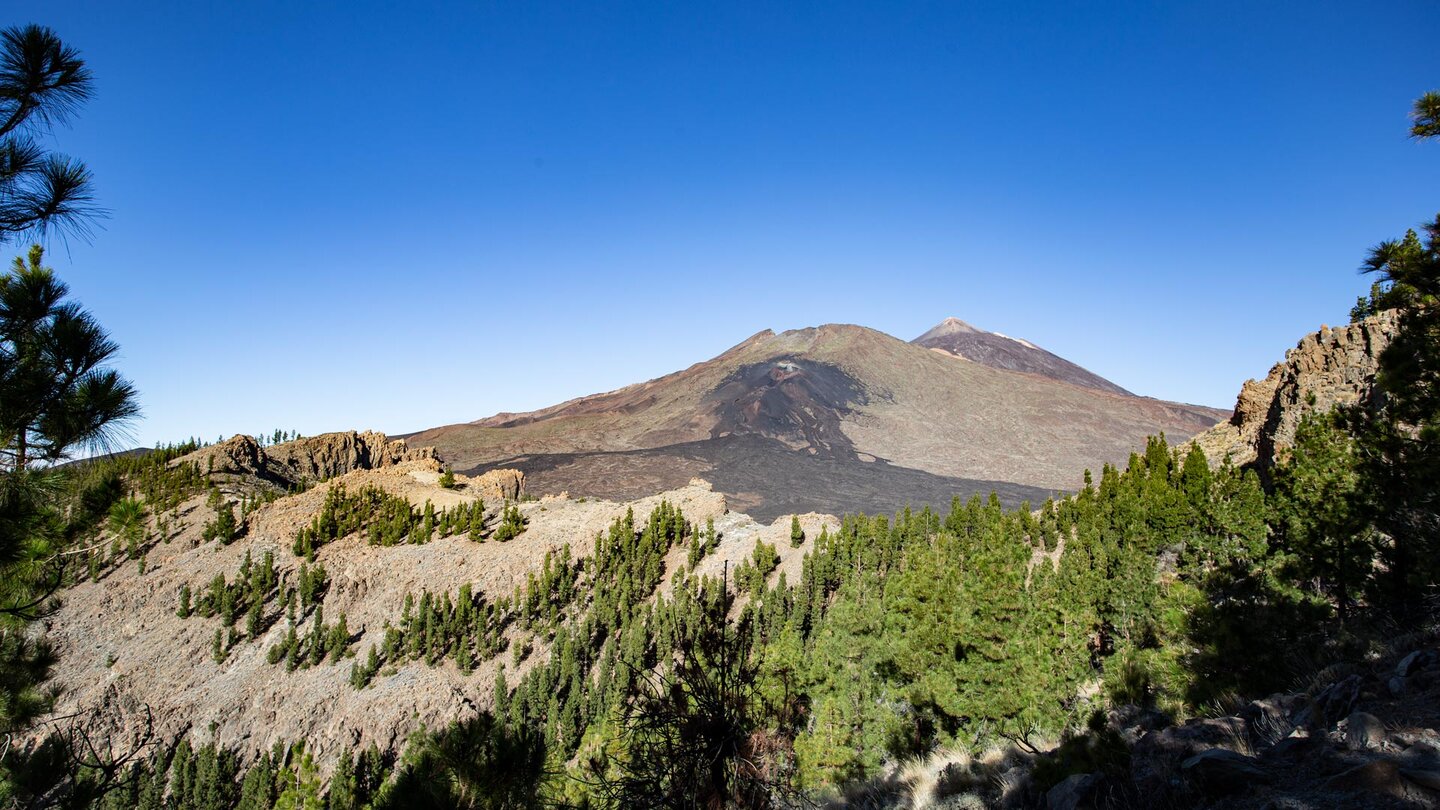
{"x": 796, "y": 401}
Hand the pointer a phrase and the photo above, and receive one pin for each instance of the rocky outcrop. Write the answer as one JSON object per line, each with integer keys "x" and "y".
{"x": 1328, "y": 368}
{"x": 1350, "y": 740}
{"x": 500, "y": 485}
{"x": 326, "y": 456}
{"x": 303, "y": 461}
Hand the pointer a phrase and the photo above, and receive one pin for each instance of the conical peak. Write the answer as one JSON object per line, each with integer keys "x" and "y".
{"x": 950, "y": 326}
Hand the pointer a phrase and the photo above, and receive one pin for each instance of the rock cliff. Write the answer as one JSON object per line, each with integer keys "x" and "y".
{"x": 303, "y": 461}
{"x": 1328, "y": 368}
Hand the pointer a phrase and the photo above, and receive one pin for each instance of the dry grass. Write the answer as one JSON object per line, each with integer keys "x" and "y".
{"x": 950, "y": 778}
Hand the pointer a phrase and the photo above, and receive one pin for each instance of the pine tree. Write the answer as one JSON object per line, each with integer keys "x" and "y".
{"x": 477, "y": 520}
{"x": 223, "y": 527}
{"x": 427, "y": 524}
{"x": 344, "y": 787}
{"x": 1317, "y": 510}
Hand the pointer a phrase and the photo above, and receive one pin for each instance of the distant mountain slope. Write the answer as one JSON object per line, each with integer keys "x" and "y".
{"x": 788, "y": 418}
{"x": 993, "y": 349}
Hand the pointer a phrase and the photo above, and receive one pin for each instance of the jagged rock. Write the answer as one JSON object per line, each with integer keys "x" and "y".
{"x": 241, "y": 455}
{"x": 1326, "y": 369}
{"x": 1073, "y": 792}
{"x": 303, "y": 461}
{"x": 1219, "y": 772}
{"x": 1334, "y": 702}
{"x": 1414, "y": 662}
{"x": 319, "y": 458}
{"x": 1363, "y": 731}
{"x": 500, "y": 485}
{"x": 1157, "y": 755}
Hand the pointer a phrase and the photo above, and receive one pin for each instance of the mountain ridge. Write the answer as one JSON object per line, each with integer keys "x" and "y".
{"x": 956, "y": 337}
{"x": 873, "y": 408}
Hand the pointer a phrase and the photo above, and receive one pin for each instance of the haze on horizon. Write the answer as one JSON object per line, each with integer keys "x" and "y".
{"x": 354, "y": 217}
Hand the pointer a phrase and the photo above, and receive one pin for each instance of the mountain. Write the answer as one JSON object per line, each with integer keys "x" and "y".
{"x": 159, "y": 640}
{"x": 954, "y": 336}
{"x": 829, "y": 419}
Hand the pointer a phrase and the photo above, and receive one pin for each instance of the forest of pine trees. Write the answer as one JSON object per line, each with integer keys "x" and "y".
{"x": 389, "y": 520}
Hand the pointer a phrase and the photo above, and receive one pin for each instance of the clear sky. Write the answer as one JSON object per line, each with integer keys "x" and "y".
{"x": 327, "y": 216}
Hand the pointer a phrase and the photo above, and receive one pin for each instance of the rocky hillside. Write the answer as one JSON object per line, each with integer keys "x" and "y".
{"x": 1327, "y": 368}
{"x": 304, "y": 461}
{"x": 833, "y": 418}
{"x": 956, "y": 337}
{"x": 1358, "y": 736}
{"x": 125, "y": 655}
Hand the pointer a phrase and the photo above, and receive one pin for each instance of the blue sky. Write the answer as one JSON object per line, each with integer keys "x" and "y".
{"x": 328, "y": 216}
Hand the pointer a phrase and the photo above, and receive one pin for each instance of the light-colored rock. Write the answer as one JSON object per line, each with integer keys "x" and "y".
{"x": 302, "y": 462}
{"x": 500, "y": 485}
{"x": 1328, "y": 368}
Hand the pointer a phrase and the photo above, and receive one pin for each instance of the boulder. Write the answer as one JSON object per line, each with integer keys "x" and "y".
{"x": 500, "y": 485}
{"x": 1414, "y": 662}
{"x": 1219, "y": 772}
{"x": 1073, "y": 792}
{"x": 1378, "y": 776}
{"x": 1363, "y": 731}
{"x": 319, "y": 458}
{"x": 1422, "y": 751}
{"x": 1334, "y": 702}
{"x": 1157, "y": 755}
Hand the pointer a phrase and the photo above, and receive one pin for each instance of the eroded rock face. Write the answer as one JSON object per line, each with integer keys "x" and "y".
{"x": 332, "y": 454}
{"x": 1328, "y": 368}
{"x": 304, "y": 461}
{"x": 500, "y": 485}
